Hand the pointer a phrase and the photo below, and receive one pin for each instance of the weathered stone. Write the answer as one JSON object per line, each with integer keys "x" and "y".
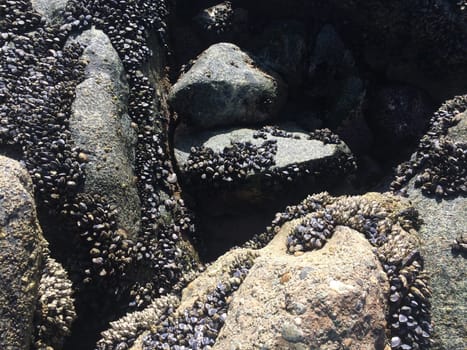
{"x": 295, "y": 150}
{"x": 51, "y": 10}
{"x": 101, "y": 127}
{"x": 21, "y": 248}
{"x": 342, "y": 287}
{"x": 225, "y": 87}
{"x": 443, "y": 222}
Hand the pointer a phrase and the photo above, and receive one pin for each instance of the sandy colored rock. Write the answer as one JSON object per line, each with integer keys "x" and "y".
{"x": 21, "y": 247}
{"x": 315, "y": 300}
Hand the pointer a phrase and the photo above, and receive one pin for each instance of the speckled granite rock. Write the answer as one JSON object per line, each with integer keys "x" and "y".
{"x": 318, "y": 300}
{"x": 36, "y": 304}
{"x": 21, "y": 246}
{"x": 225, "y": 87}
{"x": 101, "y": 127}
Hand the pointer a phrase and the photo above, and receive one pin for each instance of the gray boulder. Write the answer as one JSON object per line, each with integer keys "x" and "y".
{"x": 51, "y": 10}
{"x": 101, "y": 128}
{"x": 444, "y": 222}
{"x": 225, "y": 86}
{"x": 254, "y": 157}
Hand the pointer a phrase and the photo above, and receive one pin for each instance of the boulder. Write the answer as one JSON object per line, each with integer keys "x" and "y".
{"x": 36, "y": 303}
{"x": 101, "y": 128}
{"x": 255, "y": 157}
{"x": 282, "y": 46}
{"x": 51, "y": 10}
{"x": 21, "y": 248}
{"x": 225, "y": 86}
{"x": 443, "y": 213}
{"x": 318, "y": 300}
{"x": 334, "y": 297}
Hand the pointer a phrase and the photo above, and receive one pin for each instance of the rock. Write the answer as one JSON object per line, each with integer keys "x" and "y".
{"x": 444, "y": 221}
{"x": 36, "y": 303}
{"x": 399, "y": 115}
{"x": 101, "y": 128}
{"x": 282, "y": 46}
{"x": 21, "y": 248}
{"x": 221, "y": 22}
{"x": 318, "y": 299}
{"x": 342, "y": 289}
{"x": 254, "y": 159}
{"x": 225, "y": 87}
{"x": 333, "y": 78}
{"x": 51, "y": 10}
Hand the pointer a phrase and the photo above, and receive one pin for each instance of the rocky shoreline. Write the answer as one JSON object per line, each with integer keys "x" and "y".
{"x": 145, "y": 148}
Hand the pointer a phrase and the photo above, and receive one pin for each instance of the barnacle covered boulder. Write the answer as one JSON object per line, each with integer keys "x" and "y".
{"x": 101, "y": 128}
{"x": 254, "y": 161}
{"x": 435, "y": 182}
{"x": 363, "y": 287}
{"x": 225, "y": 86}
{"x": 36, "y": 303}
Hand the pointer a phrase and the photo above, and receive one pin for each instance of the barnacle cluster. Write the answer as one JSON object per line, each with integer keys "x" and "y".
{"x": 123, "y": 332}
{"x": 389, "y": 229}
{"x": 197, "y": 327}
{"x": 55, "y": 311}
{"x": 440, "y": 163}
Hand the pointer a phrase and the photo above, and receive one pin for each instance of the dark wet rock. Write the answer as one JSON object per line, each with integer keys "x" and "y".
{"x": 36, "y": 303}
{"x": 282, "y": 46}
{"x": 398, "y": 115}
{"x": 221, "y": 23}
{"x": 101, "y": 128}
{"x": 224, "y": 87}
{"x": 333, "y": 79}
{"x": 21, "y": 247}
{"x": 421, "y": 44}
{"x": 51, "y": 10}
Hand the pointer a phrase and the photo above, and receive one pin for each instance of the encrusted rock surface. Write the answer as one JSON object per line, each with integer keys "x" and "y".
{"x": 255, "y": 158}
{"x": 443, "y": 222}
{"x": 101, "y": 128}
{"x": 21, "y": 247}
{"x": 36, "y": 303}
{"x": 225, "y": 87}
{"x": 321, "y": 299}
{"x": 345, "y": 294}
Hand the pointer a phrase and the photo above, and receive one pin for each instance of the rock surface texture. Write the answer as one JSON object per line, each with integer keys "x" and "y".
{"x": 443, "y": 209}
{"x": 318, "y": 298}
{"x": 21, "y": 247}
{"x": 101, "y": 128}
{"x": 225, "y": 87}
{"x": 257, "y": 158}
{"x": 36, "y": 303}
